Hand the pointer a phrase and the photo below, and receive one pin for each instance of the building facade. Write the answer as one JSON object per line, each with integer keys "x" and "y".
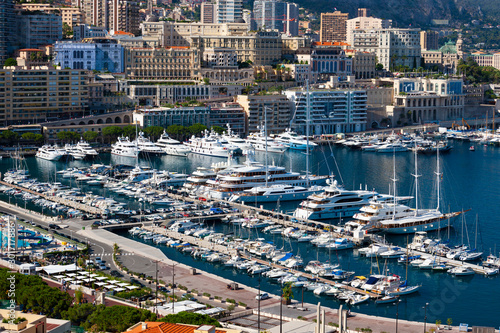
{"x": 445, "y": 59}
{"x": 100, "y": 54}
{"x": 333, "y": 27}
{"x": 212, "y": 115}
{"x": 276, "y": 15}
{"x": 363, "y": 64}
{"x": 36, "y": 30}
{"x": 207, "y": 13}
{"x": 429, "y": 40}
{"x": 329, "y": 111}
{"x": 274, "y": 110}
{"x": 82, "y": 31}
{"x": 423, "y": 100}
{"x": 229, "y": 11}
{"x": 391, "y": 46}
{"x": 37, "y": 95}
{"x": 175, "y": 63}
{"x": 7, "y": 29}
{"x": 364, "y": 23}
{"x": 72, "y": 16}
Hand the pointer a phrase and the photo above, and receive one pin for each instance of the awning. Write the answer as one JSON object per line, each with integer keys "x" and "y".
{"x": 84, "y": 273}
{"x": 123, "y": 284}
{"x": 59, "y": 276}
{"x": 94, "y": 275}
{"x": 100, "y": 278}
{"x": 120, "y": 289}
{"x": 71, "y": 274}
{"x": 101, "y": 283}
{"x": 88, "y": 280}
{"x": 131, "y": 287}
{"x": 57, "y": 269}
{"x": 110, "y": 286}
{"x": 113, "y": 281}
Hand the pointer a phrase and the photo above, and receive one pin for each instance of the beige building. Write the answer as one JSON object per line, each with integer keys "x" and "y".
{"x": 174, "y": 63}
{"x": 182, "y": 33}
{"x": 33, "y": 323}
{"x": 37, "y": 95}
{"x": 429, "y": 40}
{"x": 363, "y": 64}
{"x": 364, "y": 23}
{"x": 278, "y": 112}
{"x": 261, "y": 48}
{"x": 70, "y": 15}
{"x": 333, "y": 27}
{"x": 207, "y": 12}
{"x": 292, "y": 44}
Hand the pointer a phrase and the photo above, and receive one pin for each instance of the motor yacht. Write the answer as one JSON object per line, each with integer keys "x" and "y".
{"x": 294, "y": 141}
{"x": 123, "y": 147}
{"x": 146, "y": 147}
{"x": 49, "y": 153}
{"x": 171, "y": 146}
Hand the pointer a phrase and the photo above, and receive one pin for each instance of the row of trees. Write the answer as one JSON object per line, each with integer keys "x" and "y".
{"x": 478, "y": 74}
{"x": 182, "y": 133}
{"x": 34, "y": 295}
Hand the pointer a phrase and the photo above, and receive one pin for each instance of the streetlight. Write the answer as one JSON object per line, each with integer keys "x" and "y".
{"x": 397, "y": 313}
{"x": 258, "y": 313}
{"x": 173, "y": 287}
{"x": 425, "y": 316}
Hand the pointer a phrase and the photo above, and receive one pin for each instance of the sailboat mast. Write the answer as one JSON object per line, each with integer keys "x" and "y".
{"x": 394, "y": 180}
{"x": 307, "y": 134}
{"x": 438, "y": 176}
{"x": 416, "y": 175}
{"x": 265, "y": 134}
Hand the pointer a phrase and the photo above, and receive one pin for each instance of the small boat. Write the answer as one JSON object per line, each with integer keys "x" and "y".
{"x": 404, "y": 290}
{"x": 472, "y": 148}
{"x": 358, "y": 299}
{"x": 491, "y": 271}
{"x": 461, "y": 271}
{"x": 387, "y": 299}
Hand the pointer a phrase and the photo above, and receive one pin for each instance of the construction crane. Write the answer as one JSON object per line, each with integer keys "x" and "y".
{"x": 463, "y": 127}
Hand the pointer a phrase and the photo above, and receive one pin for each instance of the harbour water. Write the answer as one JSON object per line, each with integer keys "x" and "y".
{"x": 471, "y": 180}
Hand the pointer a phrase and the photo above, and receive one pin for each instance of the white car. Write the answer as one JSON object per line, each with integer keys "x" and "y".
{"x": 262, "y": 296}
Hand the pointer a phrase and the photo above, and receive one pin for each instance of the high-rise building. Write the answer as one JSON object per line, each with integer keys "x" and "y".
{"x": 114, "y": 15}
{"x": 364, "y": 23}
{"x": 333, "y": 27}
{"x": 37, "y": 30}
{"x": 72, "y": 16}
{"x": 277, "y": 15}
{"x": 362, "y": 12}
{"x": 229, "y": 11}
{"x": 429, "y": 40}
{"x": 207, "y": 12}
{"x": 391, "y": 46}
{"x": 7, "y": 28}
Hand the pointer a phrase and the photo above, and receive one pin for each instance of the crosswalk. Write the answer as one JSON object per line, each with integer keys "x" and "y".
{"x": 108, "y": 254}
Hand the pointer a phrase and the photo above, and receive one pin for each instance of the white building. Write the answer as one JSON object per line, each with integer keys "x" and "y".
{"x": 364, "y": 23}
{"x": 82, "y": 31}
{"x": 229, "y": 11}
{"x": 330, "y": 111}
{"x": 391, "y": 46}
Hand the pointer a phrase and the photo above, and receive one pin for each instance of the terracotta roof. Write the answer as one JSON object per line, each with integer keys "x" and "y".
{"x": 118, "y": 32}
{"x": 156, "y": 327}
{"x": 34, "y": 50}
{"x": 50, "y": 327}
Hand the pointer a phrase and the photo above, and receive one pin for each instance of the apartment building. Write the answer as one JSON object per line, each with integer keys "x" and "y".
{"x": 364, "y": 23}
{"x": 363, "y": 64}
{"x": 229, "y": 11}
{"x": 329, "y": 111}
{"x": 72, "y": 16}
{"x": 277, "y": 15}
{"x": 274, "y": 110}
{"x": 182, "y": 33}
{"x": 429, "y": 40}
{"x": 82, "y": 31}
{"x": 7, "y": 29}
{"x": 333, "y": 27}
{"x": 391, "y": 46}
{"x": 220, "y": 65}
{"x": 36, "y": 30}
{"x": 37, "y": 95}
{"x": 207, "y": 12}
{"x": 174, "y": 63}
{"x": 262, "y": 47}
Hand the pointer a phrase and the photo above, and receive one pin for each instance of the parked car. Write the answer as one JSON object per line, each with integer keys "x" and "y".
{"x": 262, "y": 296}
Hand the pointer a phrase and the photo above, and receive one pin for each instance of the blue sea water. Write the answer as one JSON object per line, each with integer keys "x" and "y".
{"x": 471, "y": 180}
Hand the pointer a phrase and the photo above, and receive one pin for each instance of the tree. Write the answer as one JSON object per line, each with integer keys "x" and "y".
{"x": 39, "y": 138}
{"x": 9, "y": 136}
{"x": 79, "y": 313}
{"x": 154, "y": 132}
{"x": 112, "y": 132}
{"x": 218, "y": 129}
{"x": 78, "y": 296}
{"x": 177, "y": 131}
{"x": 28, "y": 136}
{"x": 130, "y": 131}
{"x": 196, "y": 129}
{"x": 206, "y": 80}
{"x": 68, "y": 136}
{"x": 116, "y": 318}
{"x": 10, "y": 62}
{"x": 90, "y": 136}
{"x": 287, "y": 293}
{"x": 379, "y": 67}
{"x": 190, "y": 318}
{"x": 67, "y": 30}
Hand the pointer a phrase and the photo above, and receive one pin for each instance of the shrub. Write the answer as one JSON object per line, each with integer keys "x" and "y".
{"x": 206, "y": 294}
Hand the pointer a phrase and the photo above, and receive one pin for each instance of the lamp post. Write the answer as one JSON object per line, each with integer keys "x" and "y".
{"x": 425, "y": 316}
{"x": 281, "y": 312}
{"x": 258, "y": 312}
{"x": 156, "y": 289}
{"x": 397, "y": 313}
{"x": 173, "y": 288}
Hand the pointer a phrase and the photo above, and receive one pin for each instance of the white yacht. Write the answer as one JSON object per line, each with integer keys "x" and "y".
{"x": 294, "y": 141}
{"x": 274, "y": 193}
{"x": 171, "y": 146}
{"x": 258, "y": 142}
{"x": 49, "y": 153}
{"x": 146, "y": 147}
{"x": 86, "y": 149}
{"x": 391, "y": 147}
{"x": 123, "y": 147}
{"x": 334, "y": 202}
{"x": 74, "y": 152}
{"x": 235, "y": 140}
{"x": 238, "y": 179}
{"x": 208, "y": 145}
